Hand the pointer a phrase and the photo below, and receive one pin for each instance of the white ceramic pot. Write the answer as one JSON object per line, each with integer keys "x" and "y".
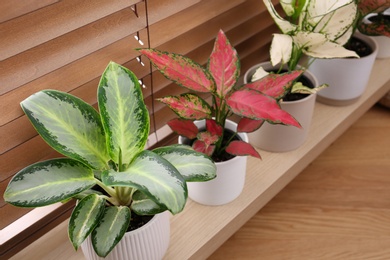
{"x": 281, "y": 138}
{"x": 347, "y": 78}
{"x": 230, "y": 179}
{"x": 151, "y": 241}
{"x": 383, "y": 46}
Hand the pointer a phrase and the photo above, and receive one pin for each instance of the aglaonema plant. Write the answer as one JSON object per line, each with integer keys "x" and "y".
{"x": 105, "y": 166}
{"x": 379, "y": 23}
{"x": 254, "y": 103}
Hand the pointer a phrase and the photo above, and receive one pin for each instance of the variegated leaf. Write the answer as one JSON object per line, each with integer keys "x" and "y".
{"x": 48, "y": 182}
{"x": 285, "y": 26}
{"x": 142, "y": 205}
{"x": 69, "y": 125}
{"x": 224, "y": 65}
{"x": 213, "y": 127}
{"x": 247, "y": 125}
{"x": 193, "y": 166}
{"x": 275, "y": 85}
{"x": 202, "y": 147}
{"x": 184, "y": 127}
{"x": 110, "y": 230}
{"x": 124, "y": 114}
{"x": 281, "y": 49}
{"x": 85, "y": 217}
{"x": 181, "y": 70}
{"x": 241, "y": 148}
{"x": 373, "y": 6}
{"x": 155, "y": 177}
{"x": 254, "y": 105}
{"x": 188, "y": 106}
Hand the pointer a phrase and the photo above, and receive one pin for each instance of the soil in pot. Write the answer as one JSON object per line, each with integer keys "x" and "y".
{"x": 359, "y": 46}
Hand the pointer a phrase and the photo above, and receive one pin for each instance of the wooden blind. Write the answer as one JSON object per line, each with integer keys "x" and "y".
{"x": 66, "y": 45}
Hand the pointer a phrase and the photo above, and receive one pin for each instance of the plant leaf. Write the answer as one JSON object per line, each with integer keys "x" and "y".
{"x": 85, "y": 217}
{"x": 224, "y": 65}
{"x": 184, "y": 127}
{"x": 203, "y": 147}
{"x": 124, "y": 115}
{"x": 213, "y": 128}
{"x": 275, "y": 85}
{"x": 48, "y": 182}
{"x": 181, "y": 70}
{"x": 241, "y": 148}
{"x": 285, "y": 26}
{"x": 188, "y": 106}
{"x": 110, "y": 230}
{"x": 281, "y": 49}
{"x": 254, "y": 105}
{"x": 247, "y": 125}
{"x": 69, "y": 125}
{"x": 142, "y": 205}
{"x": 193, "y": 166}
{"x": 380, "y": 27}
{"x": 298, "y": 87}
{"x": 155, "y": 177}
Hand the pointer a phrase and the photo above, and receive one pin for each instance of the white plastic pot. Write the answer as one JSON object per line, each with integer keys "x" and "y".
{"x": 230, "y": 179}
{"x": 281, "y": 138}
{"x": 150, "y": 241}
{"x": 383, "y": 46}
{"x": 347, "y": 78}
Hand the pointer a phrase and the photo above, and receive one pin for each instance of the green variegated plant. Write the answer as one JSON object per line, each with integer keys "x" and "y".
{"x": 105, "y": 166}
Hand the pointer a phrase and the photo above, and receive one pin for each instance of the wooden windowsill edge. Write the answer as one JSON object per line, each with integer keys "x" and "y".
{"x": 199, "y": 230}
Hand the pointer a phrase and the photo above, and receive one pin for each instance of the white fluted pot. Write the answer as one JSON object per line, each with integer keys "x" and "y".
{"x": 149, "y": 242}
{"x": 281, "y": 138}
{"x": 230, "y": 180}
{"x": 347, "y": 78}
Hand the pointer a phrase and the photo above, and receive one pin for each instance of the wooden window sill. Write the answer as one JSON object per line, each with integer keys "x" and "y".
{"x": 199, "y": 230}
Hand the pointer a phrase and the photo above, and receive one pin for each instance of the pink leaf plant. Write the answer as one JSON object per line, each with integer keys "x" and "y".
{"x": 255, "y": 103}
{"x": 379, "y": 22}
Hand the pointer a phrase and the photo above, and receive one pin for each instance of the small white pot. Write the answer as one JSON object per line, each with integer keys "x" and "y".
{"x": 150, "y": 241}
{"x": 347, "y": 78}
{"x": 230, "y": 179}
{"x": 281, "y": 138}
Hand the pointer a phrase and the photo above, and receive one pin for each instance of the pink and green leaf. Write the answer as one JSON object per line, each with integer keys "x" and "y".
{"x": 254, "y": 105}
{"x": 214, "y": 128}
{"x": 188, "y": 106}
{"x": 247, "y": 125}
{"x": 181, "y": 70}
{"x": 208, "y": 138}
{"x": 379, "y": 27}
{"x": 183, "y": 127}
{"x": 275, "y": 85}
{"x": 224, "y": 65}
{"x": 372, "y": 6}
{"x": 202, "y": 147}
{"x": 241, "y": 148}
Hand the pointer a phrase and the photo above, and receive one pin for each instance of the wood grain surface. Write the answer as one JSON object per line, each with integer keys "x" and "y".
{"x": 337, "y": 208}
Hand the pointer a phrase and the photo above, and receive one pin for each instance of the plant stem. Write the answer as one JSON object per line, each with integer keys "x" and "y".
{"x": 107, "y": 189}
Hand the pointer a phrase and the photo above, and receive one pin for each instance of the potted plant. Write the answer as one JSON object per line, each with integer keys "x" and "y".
{"x": 350, "y": 76}
{"x": 376, "y": 23}
{"x": 311, "y": 28}
{"x": 205, "y": 125}
{"x": 118, "y": 185}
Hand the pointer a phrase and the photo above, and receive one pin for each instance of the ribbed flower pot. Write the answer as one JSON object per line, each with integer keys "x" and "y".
{"x": 347, "y": 78}
{"x": 230, "y": 179}
{"x": 280, "y": 138}
{"x": 149, "y": 242}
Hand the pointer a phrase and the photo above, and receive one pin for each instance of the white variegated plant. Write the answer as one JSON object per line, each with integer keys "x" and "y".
{"x": 316, "y": 28}
{"x": 104, "y": 151}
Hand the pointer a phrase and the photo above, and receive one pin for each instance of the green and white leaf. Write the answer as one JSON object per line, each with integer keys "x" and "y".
{"x": 318, "y": 46}
{"x": 111, "y": 229}
{"x": 281, "y": 49}
{"x": 285, "y": 26}
{"x": 332, "y": 18}
{"x": 155, "y": 177}
{"x": 259, "y": 74}
{"x": 298, "y": 87}
{"x": 192, "y": 165}
{"x": 142, "y": 205}
{"x": 124, "y": 115}
{"x": 85, "y": 217}
{"x": 48, "y": 182}
{"x": 69, "y": 125}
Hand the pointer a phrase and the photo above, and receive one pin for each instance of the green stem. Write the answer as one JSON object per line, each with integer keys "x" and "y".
{"x": 110, "y": 191}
